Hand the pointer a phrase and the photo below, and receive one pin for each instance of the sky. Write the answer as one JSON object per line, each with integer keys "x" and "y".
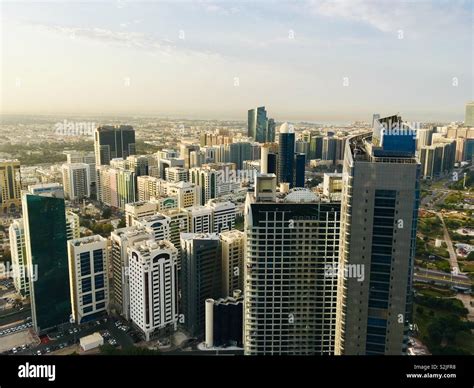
{"x": 338, "y": 60}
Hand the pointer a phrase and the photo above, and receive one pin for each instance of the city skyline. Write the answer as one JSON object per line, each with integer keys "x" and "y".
{"x": 304, "y": 59}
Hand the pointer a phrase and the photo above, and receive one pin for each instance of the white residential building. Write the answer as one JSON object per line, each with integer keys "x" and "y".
{"x": 76, "y": 180}
{"x": 188, "y": 193}
{"x": 120, "y": 240}
{"x": 149, "y": 187}
{"x": 199, "y": 219}
{"x": 153, "y": 286}
{"x": 136, "y": 210}
{"x": 88, "y": 280}
{"x": 223, "y": 215}
{"x": 176, "y": 174}
{"x": 18, "y": 252}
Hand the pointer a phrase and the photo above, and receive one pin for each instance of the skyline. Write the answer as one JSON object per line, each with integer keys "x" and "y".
{"x": 182, "y": 59}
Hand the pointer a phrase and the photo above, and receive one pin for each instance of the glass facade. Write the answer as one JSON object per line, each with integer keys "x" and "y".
{"x": 47, "y": 239}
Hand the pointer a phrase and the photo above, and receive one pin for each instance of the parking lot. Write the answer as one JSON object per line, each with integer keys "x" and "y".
{"x": 114, "y": 332}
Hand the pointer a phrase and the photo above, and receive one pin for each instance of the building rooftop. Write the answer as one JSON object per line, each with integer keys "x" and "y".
{"x": 300, "y": 194}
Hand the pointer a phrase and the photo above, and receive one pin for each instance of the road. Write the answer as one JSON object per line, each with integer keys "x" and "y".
{"x": 453, "y": 259}
{"x": 427, "y": 275}
{"x": 15, "y": 316}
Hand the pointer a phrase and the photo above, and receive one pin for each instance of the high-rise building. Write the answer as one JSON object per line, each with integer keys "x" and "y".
{"x": 223, "y": 215}
{"x": 120, "y": 240}
{"x": 224, "y": 321}
{"x": 179, "y": 223}
{"x": 424, "y": 137}
{"x": 158, "y": 224}
{"x": 10, "y": 186}
{"x": 271, "y": 130}
{"x": 113, "y": 142}
{"x": 300, "y": 164}
{"x": 290, "y": 301}
{"x": 233, "y": 247}
{"x": 150, "y": 187}
{"x": 18, "y": 252}
{"x": 259, "y": 127}
{"x": 378, "y": 230}
{"x": 73, "y": 226}
{"x": 76, "y": 180}
{"x": 201, "y": 277}
{"x": 107, "y": 186}
{"x": 89, "y": 283}
{"x": 438, "y": 159}
{"x": 164, "y": 163}
{"x": 82, "y": 157}
{"x": 188, "y": 194}
{"x": 115, "y": 186}
{"x": 206, "y": 179}
{"x": 199, "y": 219}
{"x": 176, "y": 174}
{"x": 237, "y": 152}
{"x": 185, "y": 151}
{"x": 137, "y": 210}
{"x": 47, "y": 260}
{"x": 469, "y": 119}
{"x": 125, "y": 187}
{"x": 316, "y": 147}
{"x": 286, "y": 154}
{"x": 139, "y": 164}
{"x": 153, "y": 286}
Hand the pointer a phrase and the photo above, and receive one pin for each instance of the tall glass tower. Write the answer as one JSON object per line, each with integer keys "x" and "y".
{"x": 113, "y": 142}
{"x": 47, "y": 259}
{"x": 378, "y": 233}
{"x": 286, "y": 154}
{"x": 258, "y": 124}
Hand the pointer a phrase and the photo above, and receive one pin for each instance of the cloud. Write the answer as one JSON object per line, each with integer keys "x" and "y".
{"x": 389, "y": 16}
{"x": 128, "y": 39}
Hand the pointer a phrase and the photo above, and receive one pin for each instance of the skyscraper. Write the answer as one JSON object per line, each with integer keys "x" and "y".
{"x": 10, "y": 186}
{"x": 233, "y": 247}
{"x": 300, "y": 164}
{"x": 271, "y": 131}
{"x": 47, "y": 259}
{"x": 121, "y": 239}
{"x": 286, "y": 154}
{"x": 201, "y": 277}
{"x": 290, "y": 301}
{"x": 259, "y": 127}
{"x": 88, "y": 278}
{"x": 206, "y": 179}
{"x": 113, "y": 142}
{"x": 153, "y": 286}
{"x": 378, "y": 231}
{"x": 469, "y": 120}
{"x": 257, "y": 124}
{"x": 76, "y": 180}
{"x": 18, "y": 251}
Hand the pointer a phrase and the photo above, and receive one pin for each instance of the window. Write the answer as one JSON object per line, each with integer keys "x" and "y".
{"x": 85, "y": 259}
{"x": 86, "y": 299}
{"x": 98, "y": 260}
{"x": 99, "y": 281}
{"x": 86, "y": 284}
{"x": 99, "y": 296}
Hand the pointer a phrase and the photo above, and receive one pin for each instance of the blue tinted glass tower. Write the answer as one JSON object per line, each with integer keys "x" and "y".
{"x": 286, "y": 154}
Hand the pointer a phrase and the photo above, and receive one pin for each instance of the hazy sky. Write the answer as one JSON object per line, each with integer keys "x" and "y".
{"x": 303, "y": 60}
